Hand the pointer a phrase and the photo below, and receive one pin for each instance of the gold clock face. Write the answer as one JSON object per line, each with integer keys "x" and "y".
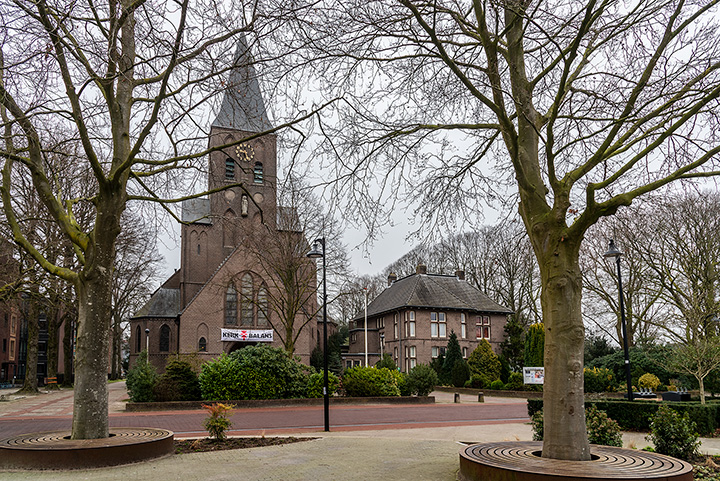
{"x": 245, "y": 152}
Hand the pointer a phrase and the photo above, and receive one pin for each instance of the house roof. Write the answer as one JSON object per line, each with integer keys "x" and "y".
{"x": 243, "y": 107}
{"x": 432, "y": 291}
{"x": 165, "y": 302}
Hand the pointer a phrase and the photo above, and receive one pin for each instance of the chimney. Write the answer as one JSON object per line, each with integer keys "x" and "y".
{"x": 460, "y": 274}
{"x": 421, "y": 269}
{"x": 391, "y": 278}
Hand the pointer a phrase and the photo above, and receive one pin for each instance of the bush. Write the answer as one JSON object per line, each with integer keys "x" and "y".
{"x": 460, "y": 373}
{"x": 403, "y": 384}
{"x": 535, "y": 345}
{"x": 598, "y": 379}
{"x": 179, "y": 383}
{"x": 673, "y": 434}
{"x": 422, "y": 379}
{"x": 141, "y": 380}
{"x": 227, "y": 379}
{"x": 497, "y": 385}
{"x": 650, "y": 381}
{"x": 217, "y": 422}
{"x": 601, "y": 429}
{"x": 484, "y": 361}
{"x": 479, "y": 381}
{"x": 538, "y": 426}
{"x": 369, "y": 381}
{"x": 316, "y": 383}
{"x": 289, "y": 375}
{"x": 515, "y": 382}
{"x": 638, "y": 415}
{"x": 386, "y": 362}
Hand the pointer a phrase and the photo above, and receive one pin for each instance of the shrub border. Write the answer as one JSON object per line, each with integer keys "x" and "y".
{"x": 638, "y": 414}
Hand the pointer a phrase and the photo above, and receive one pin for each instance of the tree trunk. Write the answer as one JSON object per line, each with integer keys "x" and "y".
{"x": 115, "y": 354}
{"x": 54, "y": 320}
{"x": 30, "y": 384}
{"x": 701, "y": 383}
{"x": 67, "y": 349}
{"x": 90, "y": 409}
{"x": 565, "y": 435}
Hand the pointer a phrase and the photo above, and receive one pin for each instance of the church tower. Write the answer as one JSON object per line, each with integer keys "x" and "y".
{"x": 220, "y": 222}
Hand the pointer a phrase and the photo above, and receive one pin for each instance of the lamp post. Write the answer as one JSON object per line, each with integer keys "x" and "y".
{"x": 366, "y": 343}
{"x": 147, "y": 341}
{"x": 614, "y": 252}
{"x": 316, "y": 253}
{"x": 382, "y": 342}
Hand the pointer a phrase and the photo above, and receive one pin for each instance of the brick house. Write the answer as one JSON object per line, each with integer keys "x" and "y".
{"x": 413, "y": 317}
{"x": 220, "y": 299}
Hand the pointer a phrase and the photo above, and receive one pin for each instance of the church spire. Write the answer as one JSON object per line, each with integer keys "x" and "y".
{"x": 242, "y": 106}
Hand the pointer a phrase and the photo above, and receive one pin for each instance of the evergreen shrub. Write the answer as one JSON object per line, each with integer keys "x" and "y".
{"x": 387, "y": 361}
{"x": 673, "y": 434}
{"x": 601, "y": 429}
{"x": 497, "y": 385}
{"x": 179, "y": 383}
{"x": 484, "y": 361}
{"x": 289, "y": 374}
{"x": 650, "y": 381}
{"x": 316, "y": 382}
{"x": 479, "y": 381}
{"x": 460, "y": 373}
{"x": 515, "y": 382}
{"x": 422, "y": 379}
{"x": 363, "y": 381}
{"x": 598, "y": 379}
{"x": 141, "y": 380}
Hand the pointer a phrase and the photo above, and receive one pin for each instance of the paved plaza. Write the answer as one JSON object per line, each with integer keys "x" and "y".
{"x": 385, "y": 453}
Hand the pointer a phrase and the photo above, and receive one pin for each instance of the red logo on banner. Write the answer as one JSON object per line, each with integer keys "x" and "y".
{"x": 243, "y": 335}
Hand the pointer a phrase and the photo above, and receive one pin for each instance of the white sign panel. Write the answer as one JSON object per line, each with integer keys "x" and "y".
{"x": 246, "y": 335}
{"x": 534, "y": 375}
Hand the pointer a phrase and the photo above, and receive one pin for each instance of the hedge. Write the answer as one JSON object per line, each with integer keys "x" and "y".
{"x": 638, "y": 414}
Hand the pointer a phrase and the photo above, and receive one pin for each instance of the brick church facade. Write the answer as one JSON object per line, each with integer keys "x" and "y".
{"x": 223, "y": 296}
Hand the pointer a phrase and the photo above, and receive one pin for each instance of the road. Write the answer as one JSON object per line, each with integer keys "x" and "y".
{"x": 53, "y": 413}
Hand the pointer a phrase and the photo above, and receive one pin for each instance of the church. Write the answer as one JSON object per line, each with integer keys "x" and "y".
{"x": 240, "y": 251}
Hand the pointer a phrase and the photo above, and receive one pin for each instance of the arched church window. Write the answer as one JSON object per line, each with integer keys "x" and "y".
{"x": 202, "y": 345}
{"x": 229, "y": 168}
{"x": 246, "y": 309}
{"x": 165, "y": 338}
{"x": 263, "y": 306}
{"x": 258, "y": 173}
{"x": 231, "y": 306}
{"x": 138, "y": 340}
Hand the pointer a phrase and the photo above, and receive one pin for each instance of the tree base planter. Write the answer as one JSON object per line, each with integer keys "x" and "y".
{"x": 55, "y": 450}
{"x": 519, "y": 461}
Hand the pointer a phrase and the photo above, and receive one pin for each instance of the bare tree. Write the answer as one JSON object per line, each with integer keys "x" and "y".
{"x": 581, "y": 106}
{"x": 137, "y": 266}
{"x": 130, "y": 81}
{"x": 682, "y": 252}
{"x": 631, "y": 227}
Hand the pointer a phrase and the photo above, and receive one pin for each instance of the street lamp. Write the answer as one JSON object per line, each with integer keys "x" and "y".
{"x": 366, "y": 342}
{"x": 382, "y": 341}
{"x": 615, "y": 252}
{"x": 316, "y": 253}
{"x": 147, "y": 341}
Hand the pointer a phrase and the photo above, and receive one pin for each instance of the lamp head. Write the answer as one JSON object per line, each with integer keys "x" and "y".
{"x": 612, "y": 251}
{"x": 316, "y": 252}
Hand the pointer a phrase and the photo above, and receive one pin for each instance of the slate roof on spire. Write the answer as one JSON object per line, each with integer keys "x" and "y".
{"x": 242, "y": 106}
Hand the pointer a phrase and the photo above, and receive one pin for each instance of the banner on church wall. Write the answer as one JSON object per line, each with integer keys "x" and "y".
{"x": 246, "y": 335}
